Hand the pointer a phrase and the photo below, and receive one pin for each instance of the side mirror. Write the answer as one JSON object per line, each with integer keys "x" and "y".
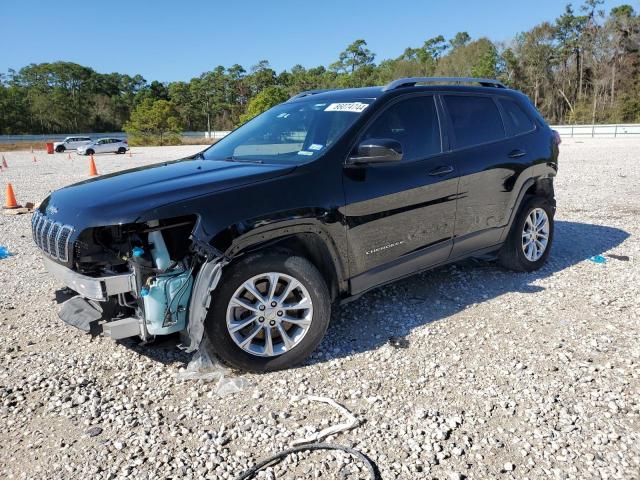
{"x": 377, "y": 150}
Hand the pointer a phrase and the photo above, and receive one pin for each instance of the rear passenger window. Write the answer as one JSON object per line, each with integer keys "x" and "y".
{"x": 516, "y": 117}
{"x": 414, "y": 123}
{"x": 475, "y": 120}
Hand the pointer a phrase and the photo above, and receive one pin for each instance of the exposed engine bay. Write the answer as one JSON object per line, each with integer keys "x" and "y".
{"x": 163, "y": 259}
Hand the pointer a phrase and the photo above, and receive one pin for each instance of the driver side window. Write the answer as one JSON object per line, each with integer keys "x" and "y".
{"x": 414, "y": 123}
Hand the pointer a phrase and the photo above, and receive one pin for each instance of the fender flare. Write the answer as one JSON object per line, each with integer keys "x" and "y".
{"x": 516, "y": 206}
{"x": 254, "y": 240}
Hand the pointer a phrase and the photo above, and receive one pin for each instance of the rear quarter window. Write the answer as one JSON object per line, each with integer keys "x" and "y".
{"x": 475, "y": 120}
{"x": 516, "y": 118}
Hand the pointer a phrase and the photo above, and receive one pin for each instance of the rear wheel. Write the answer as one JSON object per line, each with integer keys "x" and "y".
{"x": 529, "y": 242}
{"x": 121, "y": 150}
{"x": 90, "y": 151}
{"x": 269, "y": 312}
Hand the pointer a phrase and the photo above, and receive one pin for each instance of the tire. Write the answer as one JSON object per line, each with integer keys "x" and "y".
{"x": 224, "y": 312}
{"x": 89, "y": 152}
{"x": 60, "y": 149}
{"x": 121, "y": 150}
{"x": 513, "y": 255}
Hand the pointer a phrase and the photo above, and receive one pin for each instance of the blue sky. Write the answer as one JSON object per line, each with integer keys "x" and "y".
{"x": 170, "y": 40}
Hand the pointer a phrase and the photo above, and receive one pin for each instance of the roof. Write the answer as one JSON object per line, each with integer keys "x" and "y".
{"x": 339, "y": 94}
{"x": 403, "y": 85}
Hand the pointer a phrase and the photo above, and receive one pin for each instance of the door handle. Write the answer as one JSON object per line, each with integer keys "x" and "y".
{"x": 441, "y": 170}
{"x": 517, "y": 153}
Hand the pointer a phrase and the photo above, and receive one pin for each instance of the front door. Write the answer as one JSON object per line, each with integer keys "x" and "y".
{"x": 400, "y": 216}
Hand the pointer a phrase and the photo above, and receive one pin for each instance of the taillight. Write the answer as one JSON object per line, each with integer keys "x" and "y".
{"x": 556, "y": 137}
{"x": 124, "y": 141}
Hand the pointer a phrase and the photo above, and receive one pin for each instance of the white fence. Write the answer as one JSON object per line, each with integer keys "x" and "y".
{"x": 600, "y": 131}
{"x": 217, "y": 134}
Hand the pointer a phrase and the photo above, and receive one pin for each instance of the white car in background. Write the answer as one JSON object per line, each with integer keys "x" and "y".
{"x": 71, "y": 143}
{"x": 104, "y": 145}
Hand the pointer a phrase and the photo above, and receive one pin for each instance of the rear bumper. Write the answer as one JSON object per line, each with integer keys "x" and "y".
{"x": 95, "y": 288}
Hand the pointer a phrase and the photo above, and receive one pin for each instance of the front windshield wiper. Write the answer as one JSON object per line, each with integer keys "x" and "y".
{"x": 236, "y": 159}
{"x": 198, "y": 156}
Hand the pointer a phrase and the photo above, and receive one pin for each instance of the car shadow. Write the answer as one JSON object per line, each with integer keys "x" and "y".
{"x": 395, "y": 310}
{"x": 164, "y": 349}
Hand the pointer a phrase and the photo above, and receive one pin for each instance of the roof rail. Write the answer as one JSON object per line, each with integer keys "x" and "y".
{"x": 307, "y": 93}
{"x": 411, "y": 81}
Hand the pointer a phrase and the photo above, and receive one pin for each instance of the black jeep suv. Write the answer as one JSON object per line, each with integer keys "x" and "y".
{"x": 319, "y": 199}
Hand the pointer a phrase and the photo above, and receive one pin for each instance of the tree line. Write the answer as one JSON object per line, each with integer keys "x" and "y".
{"x": 582, "y": 67}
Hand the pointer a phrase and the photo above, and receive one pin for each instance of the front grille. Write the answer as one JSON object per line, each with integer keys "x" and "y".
{"x": 52, "y": 237}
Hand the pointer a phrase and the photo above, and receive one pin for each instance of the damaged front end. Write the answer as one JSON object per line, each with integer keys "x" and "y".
{"x": 142, "y": 279}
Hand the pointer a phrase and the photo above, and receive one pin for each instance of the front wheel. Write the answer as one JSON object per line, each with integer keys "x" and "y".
{"x": 60, "y": 148}
{"x": 89, "y": 152}
{"x": 529, "y": 242}
{"x": 269, "y": 312}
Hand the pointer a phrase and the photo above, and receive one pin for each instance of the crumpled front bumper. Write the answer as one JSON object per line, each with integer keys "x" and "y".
{"x": 95, "y": 288}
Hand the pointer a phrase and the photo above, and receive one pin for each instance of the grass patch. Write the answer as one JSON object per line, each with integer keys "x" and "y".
{"x": 22, "y": 146}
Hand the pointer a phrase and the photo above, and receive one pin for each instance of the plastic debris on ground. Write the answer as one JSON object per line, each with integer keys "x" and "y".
{"x": 622, "y": 258}
{"x": 4, "y": 252}
{"x": 399, "y": 342}
{"x": 351, "y": 422}
{"x": 205, "y": 366}
{"x": 598, "y": 259}
{"x": 310, "y": 444}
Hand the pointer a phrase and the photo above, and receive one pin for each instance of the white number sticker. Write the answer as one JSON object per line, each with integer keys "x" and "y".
{"x": 355, "y": 107}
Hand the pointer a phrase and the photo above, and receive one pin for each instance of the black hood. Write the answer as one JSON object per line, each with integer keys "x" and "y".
{"x": 123, "y": 197}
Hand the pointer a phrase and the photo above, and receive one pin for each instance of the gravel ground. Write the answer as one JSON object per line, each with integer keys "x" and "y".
{"x": 505, "y": 375}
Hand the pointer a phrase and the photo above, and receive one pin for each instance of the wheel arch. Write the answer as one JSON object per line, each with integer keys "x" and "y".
{"x": 308, "y": 241}
{"x": 537, "y": 186}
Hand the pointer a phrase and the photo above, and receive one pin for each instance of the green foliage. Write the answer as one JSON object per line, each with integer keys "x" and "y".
{"x": 356, "y": 56}
{"x": 154, "y": 123}
{"x": 584, "y": 66}
{"x": 460, "y": 40}
{"x": 474, "y": 59}
{"x": 263, "y": 101}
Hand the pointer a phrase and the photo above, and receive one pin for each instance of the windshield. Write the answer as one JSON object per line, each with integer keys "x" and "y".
{"x": 289, "y": 132}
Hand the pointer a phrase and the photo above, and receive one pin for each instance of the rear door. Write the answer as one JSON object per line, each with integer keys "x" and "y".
{"x": 487, "y": 172}
{"x": 400, "y": 216}
{"x": 102, "y": 146}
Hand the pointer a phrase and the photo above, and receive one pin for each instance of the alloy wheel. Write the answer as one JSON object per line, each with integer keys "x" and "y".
{"x": 535, "y": 234}
{"x": 269, "y": 314}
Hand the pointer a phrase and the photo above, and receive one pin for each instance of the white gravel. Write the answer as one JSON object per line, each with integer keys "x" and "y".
{"x": 506, "y": 375}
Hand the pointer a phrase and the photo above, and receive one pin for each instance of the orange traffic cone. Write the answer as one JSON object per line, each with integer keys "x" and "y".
{"x": 68, "y": 156}
{"x": 129, "y": 153}
{"x": 4, "y": 163}
{"x": 93, "y": 171}
{"x": 11, "y": 199}
{"x": 34, "y": 159}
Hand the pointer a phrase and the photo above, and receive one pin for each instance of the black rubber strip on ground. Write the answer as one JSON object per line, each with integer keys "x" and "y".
{"x": 371, "y": 467}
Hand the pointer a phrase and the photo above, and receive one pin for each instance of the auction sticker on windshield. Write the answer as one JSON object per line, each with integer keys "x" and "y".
{"x": 355, "y": 107}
